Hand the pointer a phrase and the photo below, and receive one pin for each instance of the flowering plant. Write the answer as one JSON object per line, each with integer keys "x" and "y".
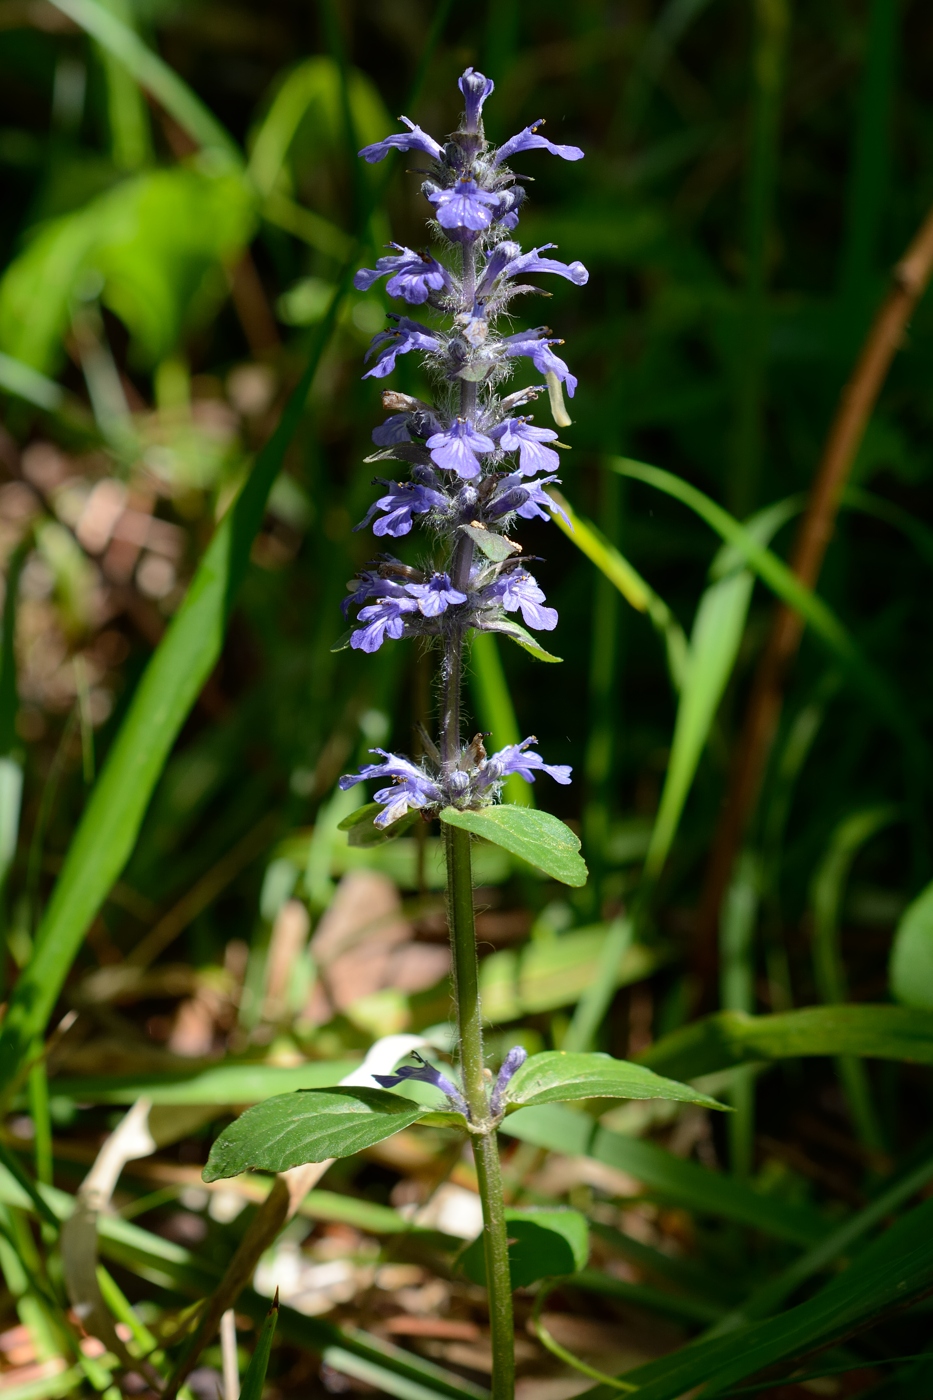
{"x": 477, "y": 464}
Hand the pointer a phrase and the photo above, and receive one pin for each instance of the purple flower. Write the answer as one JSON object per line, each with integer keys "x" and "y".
{"x": 457, "y": 449}
{"x": 435, "y": 596}
{"x": 538, "y": 349}
{"x": 405, "y": 336}
{"x": 508, "y": 260}
{"x": 475, "y": 89}
{"x": 369, "y": 585}
{"x": 425, "y": 1074}
{"x": 465, "y": 208}
{"x": 414, "y": 139}
{"x": 413, "y": 275}
{"x": 403, "y": 500}
{"x": 530, "y": 262}
{"x": 516, "y": 591}
{"x": 520, "y": 433}
{"x": 527, "y": 499}
{"x": 528, "y": 140}
{"x": 513, "y": 1061}
{"x": 412, "y": 790}
{"x": 514, "y": 759}
{"x": 393, "y": 431}
{"x": 385, "y": 618}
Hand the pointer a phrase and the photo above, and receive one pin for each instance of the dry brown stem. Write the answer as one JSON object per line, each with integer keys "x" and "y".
{"x": 910, "y": 278}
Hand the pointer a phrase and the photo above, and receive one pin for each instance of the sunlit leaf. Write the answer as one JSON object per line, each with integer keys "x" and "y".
{"x": 555, "y": 1077}
{"x": 537, "y": 837}
{"x": 310, "y": 1126}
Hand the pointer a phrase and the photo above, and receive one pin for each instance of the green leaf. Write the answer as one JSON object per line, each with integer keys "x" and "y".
{"x": 553, "y": 1077}
{"x": 310, "y": 1126}
{"x": 160, "y": 243}
{"x": 516, "y": 633}
{"x": 714, "y": 648}
{"x": 163, "y": 699}
{"x": 495, "y": 547}
{"x": 27, "y": 383}
{"x": 685, "y": 1184}
{"x": 885, "y": 1276}
{"x": 537, "y": 837}
{"x": 543, "y": 1243}
{"x": 255, "y": 1377}
{"x": 224, "y": 1085}
{"x": 911, "y": 967}
{"x": 362, "y": 830}
{"x": 734, "y": 1038}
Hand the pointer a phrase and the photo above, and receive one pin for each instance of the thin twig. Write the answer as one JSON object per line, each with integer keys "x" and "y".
{"x": 910, "y": 279}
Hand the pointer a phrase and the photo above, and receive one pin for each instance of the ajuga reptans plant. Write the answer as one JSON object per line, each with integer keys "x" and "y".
{"x": 478, "y": 465}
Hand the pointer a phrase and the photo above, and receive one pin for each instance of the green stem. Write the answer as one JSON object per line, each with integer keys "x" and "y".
{"x": 485, "y": 1144}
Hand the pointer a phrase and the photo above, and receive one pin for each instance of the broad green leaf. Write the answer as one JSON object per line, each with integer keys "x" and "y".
{"x": 495, "y": 713}
{"x": 543, "y": 1243}
{"x": 785, "y": 584}
{"x": 523, "y": 638}
{"x": 555, "y": 1077}
{"x": 181, "y": 664}
{"x": 495, "y": 547}
{"x": 362, "y": 830}
{"x": 310, "y": 1126}
{"x": 885, "y": 1276}
{"x": 639, "y": 594}
{"x": 158, "y": 243}
{"x": 555, "y": 972}
{"x": 733, "y": 1038}
{"x": 685, "y": 1184}
{"x": 911, "y": 968}
{"x": 537, "y": 837}
{"x": 255, "y": 1377}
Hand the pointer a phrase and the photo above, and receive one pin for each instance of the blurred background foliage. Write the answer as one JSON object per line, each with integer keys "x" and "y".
{"x": 173, "y": 250}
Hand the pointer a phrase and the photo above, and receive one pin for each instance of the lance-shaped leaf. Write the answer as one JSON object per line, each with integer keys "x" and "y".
{"x": 311, "y": 1126}
{"x": 543, "y": 1243}
{"x": 553, "y": 1077}
{"x": 523, "y": 638}
{"x": 535, "y": 836}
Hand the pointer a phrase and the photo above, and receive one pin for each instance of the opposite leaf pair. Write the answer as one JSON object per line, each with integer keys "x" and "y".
{"x": 316, "y": 1125}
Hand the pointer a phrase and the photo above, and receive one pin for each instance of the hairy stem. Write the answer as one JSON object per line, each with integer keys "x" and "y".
{"x": 485, "y": 1144}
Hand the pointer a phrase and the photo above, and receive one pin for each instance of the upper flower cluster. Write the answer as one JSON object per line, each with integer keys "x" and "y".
{"x": 476, "y": 461}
